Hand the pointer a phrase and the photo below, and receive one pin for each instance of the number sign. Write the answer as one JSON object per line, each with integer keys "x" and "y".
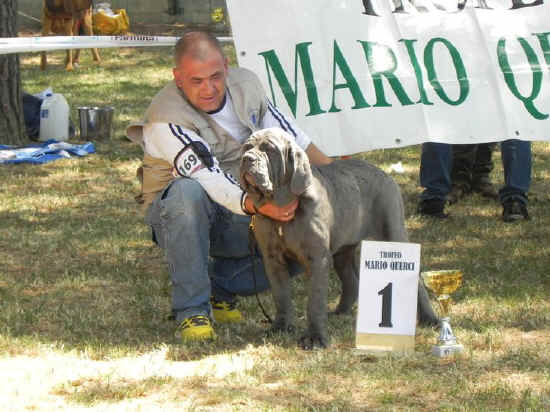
{"x": 188, "y": 162}
{"x": 388, "y": 289}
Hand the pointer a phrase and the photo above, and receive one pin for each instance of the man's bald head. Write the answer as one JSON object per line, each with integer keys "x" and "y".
{"x": 201, "y": 70}
{"x": 197, "y": 45}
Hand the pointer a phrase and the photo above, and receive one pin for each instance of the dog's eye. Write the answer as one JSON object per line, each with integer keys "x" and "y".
{"x": 247, "y": 147}
{"x": 266, "y": 147}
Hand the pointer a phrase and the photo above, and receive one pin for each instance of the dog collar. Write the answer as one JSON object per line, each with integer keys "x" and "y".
{"x": 286, "y": 210}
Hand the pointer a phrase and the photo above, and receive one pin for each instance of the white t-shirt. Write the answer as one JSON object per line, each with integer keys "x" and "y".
{"x": 191, "y": 155}
{"x": 227, "y": 118}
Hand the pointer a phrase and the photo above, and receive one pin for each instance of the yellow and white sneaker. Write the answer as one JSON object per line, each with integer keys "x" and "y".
{"x": 225, "y": 312}
{"x": 196, "y": 328}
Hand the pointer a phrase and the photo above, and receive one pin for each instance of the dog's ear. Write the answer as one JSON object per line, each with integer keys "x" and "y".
{"x": 299, "y": 166}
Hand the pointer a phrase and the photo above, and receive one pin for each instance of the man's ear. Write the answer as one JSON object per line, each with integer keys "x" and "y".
{"x": 299, "y": 166}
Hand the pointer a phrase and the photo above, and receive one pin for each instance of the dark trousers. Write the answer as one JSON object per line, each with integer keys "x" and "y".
{"x": 436, "y": 165}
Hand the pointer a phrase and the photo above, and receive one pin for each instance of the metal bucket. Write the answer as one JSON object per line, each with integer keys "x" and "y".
{"x": 96, "y": 122}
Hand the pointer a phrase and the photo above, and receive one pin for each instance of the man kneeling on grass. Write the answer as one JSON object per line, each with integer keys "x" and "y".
{"x": 192, "y": 136}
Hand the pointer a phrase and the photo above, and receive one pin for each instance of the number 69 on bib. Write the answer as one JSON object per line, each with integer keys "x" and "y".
{"x": 388, "y": 293}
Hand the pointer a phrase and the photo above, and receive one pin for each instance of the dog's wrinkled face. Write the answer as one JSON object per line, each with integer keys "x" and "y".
{"x": 273, "y": 167}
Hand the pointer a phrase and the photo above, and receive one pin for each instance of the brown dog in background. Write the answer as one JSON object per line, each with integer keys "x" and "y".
{"x": 68, "y": 18}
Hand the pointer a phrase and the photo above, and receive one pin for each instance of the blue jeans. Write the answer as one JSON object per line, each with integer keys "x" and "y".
{"x": 206, "y": 247}
{"x": 436, "y": 163}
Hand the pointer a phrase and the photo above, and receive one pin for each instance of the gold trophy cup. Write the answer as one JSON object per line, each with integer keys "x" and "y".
{"x": 442, "y": 283}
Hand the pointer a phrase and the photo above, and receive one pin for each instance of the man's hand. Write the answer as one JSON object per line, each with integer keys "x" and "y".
{"x": 282, "y": 214}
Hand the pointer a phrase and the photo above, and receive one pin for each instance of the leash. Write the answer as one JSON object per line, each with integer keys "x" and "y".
{"x": 252, "y": 247}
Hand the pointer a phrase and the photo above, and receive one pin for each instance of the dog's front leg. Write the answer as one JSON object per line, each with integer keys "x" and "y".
{"x": 316, "y": 336}
{"x": 279, "y": 279}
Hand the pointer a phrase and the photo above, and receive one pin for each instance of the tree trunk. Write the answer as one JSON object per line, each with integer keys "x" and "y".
{"x": 12, "y": 125}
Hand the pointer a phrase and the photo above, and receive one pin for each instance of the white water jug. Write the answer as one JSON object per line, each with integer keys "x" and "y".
{"x": 54, "y": 118}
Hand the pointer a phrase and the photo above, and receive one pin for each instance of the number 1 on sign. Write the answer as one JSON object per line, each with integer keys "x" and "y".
{"x": 386, "y": 306}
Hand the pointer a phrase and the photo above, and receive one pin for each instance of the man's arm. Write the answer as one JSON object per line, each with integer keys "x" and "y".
{"x": 191, "y": 157}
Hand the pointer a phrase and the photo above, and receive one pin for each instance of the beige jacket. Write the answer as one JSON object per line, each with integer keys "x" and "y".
{"x": 171, "y": 106}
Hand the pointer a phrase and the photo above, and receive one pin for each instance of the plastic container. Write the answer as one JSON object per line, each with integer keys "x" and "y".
{"x": 96, "y": 123}
{"x": 54, "y": 118}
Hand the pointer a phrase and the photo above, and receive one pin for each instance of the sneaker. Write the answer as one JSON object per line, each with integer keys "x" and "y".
{"x": 432, "y": 208}
{"x": 485, "y": 189}
{"x": 196, "y": 328}
{"x": 513, "y": 210}
{"x": 225, "y": 312}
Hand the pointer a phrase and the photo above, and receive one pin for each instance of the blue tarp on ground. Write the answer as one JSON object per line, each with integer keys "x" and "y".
{"x": 44, "y": 152}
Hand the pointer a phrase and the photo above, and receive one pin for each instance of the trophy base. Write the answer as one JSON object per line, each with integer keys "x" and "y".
{"x": 442, "y": 351}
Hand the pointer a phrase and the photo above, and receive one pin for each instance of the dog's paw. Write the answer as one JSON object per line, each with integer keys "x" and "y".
{"x": 314, "y": 341}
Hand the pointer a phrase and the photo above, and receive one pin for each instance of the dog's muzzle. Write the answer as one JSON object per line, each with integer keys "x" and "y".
{"x": 256, "y": 172}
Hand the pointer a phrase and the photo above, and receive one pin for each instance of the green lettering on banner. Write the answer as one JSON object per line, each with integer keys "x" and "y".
{"x": 545, "y": 46}
{"x": 528, "y": 101}
{"x": 394, "y": 82}
{"x": 417, "y": 71}
{"x": 461, "y": 74}
{"x": 350, "y": 83}
{"x": 291, "y": 94}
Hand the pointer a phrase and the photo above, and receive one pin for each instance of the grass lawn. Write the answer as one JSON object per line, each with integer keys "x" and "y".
{"x": 85, "y": 295}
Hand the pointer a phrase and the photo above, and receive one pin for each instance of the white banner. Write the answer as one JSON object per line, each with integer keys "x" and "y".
{"x": 365, "y": 74}
{"x": 50, "y": 43}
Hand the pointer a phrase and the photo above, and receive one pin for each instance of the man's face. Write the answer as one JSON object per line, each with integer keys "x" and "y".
{"x": 202, "y": 80}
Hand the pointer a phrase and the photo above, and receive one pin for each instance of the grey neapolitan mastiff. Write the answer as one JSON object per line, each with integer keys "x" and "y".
{"x": 340, "y": 205}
